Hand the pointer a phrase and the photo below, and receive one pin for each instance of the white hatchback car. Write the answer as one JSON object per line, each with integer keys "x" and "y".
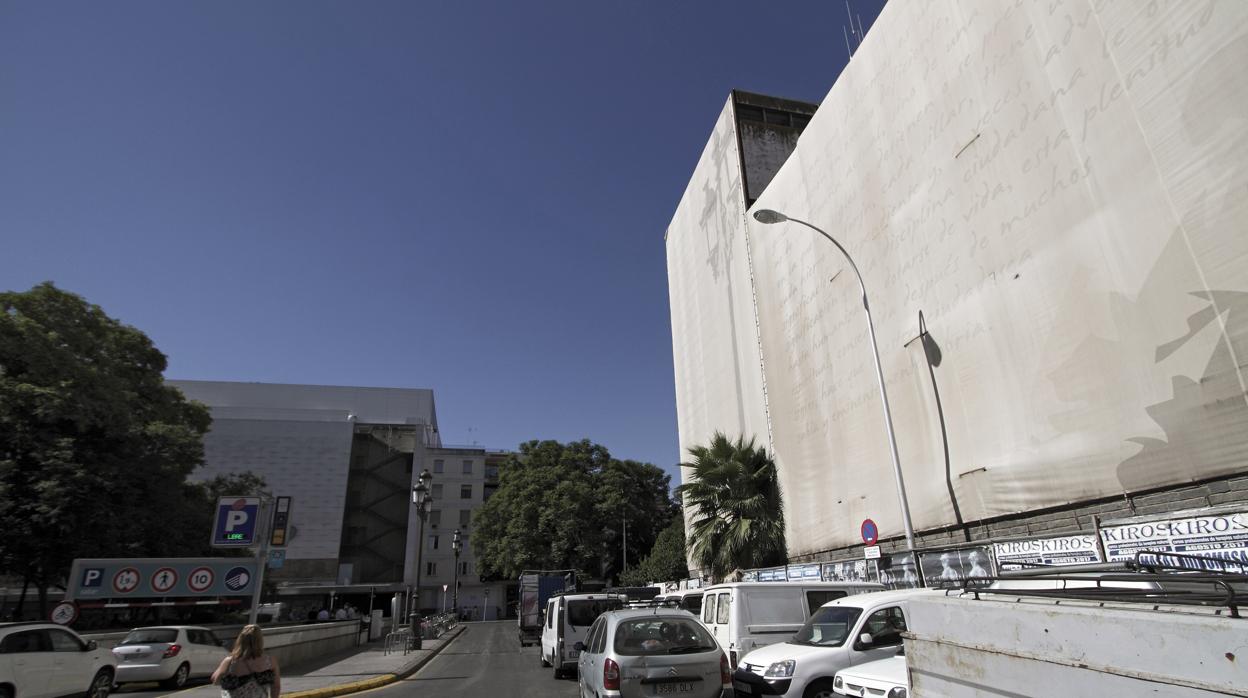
{"x": 171, "y": 654}
{"x": 45, "y": 660}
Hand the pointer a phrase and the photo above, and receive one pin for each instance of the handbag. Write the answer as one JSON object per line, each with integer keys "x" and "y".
{"x": 245, "y": 686}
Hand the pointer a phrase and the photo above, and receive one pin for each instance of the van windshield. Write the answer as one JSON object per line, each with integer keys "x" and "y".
{"x": 828, "y": 627}
{"x": 586, "y": 612}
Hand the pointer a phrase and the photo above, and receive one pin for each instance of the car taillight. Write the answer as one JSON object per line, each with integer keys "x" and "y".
{"x": 725, "y": 676}
{"x": 610, "y": 675}
{"x": 172, "y": 651}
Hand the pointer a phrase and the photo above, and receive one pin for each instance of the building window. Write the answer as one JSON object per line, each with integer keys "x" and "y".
{"x": 465, "y": 492}
{"x": 438, "y": 464}
{"x": 467, "y": 467}
{"x": 463, "y": 568}
{"x": 437, "y": 491}
{"x": 433, "y": 542}
{"x": 435, "y": 517}
{"x": 431, "y": 569}
{"x": 465, "y": 517}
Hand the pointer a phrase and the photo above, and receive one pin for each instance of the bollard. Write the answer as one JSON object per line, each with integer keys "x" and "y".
{"x": 417, "y": 631}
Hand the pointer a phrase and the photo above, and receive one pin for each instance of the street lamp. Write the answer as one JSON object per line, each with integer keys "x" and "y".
{"x": 769, "y": 217}
{"x": 456, "y": 544}
{"x": 420, "y": 500}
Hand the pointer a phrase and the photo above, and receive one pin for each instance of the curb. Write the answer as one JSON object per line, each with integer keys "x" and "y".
{"x": 343, "y": 689}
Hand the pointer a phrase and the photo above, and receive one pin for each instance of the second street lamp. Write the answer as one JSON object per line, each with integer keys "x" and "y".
{"x": 456, "y": 544}
{"x": 769, "y": 217}
{"x": 420, "y": 502}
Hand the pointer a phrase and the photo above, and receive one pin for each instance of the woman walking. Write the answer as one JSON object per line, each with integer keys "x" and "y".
{"x": 248, "y": 672}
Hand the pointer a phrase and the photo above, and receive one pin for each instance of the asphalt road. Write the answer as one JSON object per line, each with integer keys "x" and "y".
{"x": 485, "y": 661}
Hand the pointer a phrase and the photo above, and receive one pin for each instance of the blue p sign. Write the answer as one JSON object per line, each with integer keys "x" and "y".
{"x": 235, "y": 524}
{"x": 92, "y": 577}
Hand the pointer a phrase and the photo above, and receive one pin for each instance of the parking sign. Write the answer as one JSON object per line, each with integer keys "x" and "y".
{"x": 235, "y": 524}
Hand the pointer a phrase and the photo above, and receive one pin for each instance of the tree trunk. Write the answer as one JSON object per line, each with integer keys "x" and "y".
{"x": 21, "y": 599}
{"x": 42, "y": 582}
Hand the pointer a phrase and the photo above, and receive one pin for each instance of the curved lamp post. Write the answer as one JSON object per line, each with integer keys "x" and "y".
{"x": 769, "y": 217}
{"x": 456, "y": 544}
{"x": 421, "y": 501}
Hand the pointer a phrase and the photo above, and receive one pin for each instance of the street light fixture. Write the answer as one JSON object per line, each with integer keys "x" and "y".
{"x": 769, "y": 217}
{"x": 456, "y": 544}
{"x": 421, "y": 502}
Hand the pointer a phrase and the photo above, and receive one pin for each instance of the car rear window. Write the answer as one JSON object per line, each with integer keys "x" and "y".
{"x": 666, "y": 635}
{"x": 584, "y": 613}
{"x": 147, "y": 636}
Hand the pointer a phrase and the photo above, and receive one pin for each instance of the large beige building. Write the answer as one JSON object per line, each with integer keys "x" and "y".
{"x": 1047, "y": 204}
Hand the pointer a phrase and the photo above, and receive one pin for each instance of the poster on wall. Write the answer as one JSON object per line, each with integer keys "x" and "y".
{"x": 898, "y": 571}
{"x": 1219, "y": 535}
{"x": 951, "y": 569}
{"x": 772, "y": 574}
{"x": 851, "y": 571}
{"x": 804, "y": 573}
{"x": 1058, "y": 551}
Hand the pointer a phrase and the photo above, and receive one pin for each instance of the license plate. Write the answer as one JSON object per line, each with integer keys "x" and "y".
{"x": 671, "y": 689}
{"x": 742, "y": 687}
{"x": 135, "y": 657}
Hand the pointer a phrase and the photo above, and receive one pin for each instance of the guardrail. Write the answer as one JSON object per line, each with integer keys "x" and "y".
{"x": 431, "y": 628}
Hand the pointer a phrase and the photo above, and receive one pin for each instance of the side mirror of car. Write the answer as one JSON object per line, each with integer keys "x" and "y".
{"x": 865, "y": 640}
{"x": 92, "y": 645}
{"x": 579, "y": 646}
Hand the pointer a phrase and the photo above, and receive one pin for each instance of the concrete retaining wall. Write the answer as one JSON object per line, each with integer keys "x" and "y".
{"x": 290, "y": 644}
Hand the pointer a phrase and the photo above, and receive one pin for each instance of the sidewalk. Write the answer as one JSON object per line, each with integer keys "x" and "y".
{"x": 367, "y": 667}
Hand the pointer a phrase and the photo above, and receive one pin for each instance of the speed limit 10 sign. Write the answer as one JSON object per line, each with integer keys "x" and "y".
{"x": 200, "y": 579}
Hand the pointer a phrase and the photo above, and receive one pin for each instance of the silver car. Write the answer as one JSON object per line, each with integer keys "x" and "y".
{"x": 651, "y": 652}
{"x": 171, "y": 654}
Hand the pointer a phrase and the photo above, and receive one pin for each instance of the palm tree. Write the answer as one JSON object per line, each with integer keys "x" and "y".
{"x": 738, "y": 522}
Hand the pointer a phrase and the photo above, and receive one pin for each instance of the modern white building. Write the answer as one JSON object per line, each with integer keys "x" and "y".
{"x": 1047, "y": 205}
{"x": 349, "y": 457}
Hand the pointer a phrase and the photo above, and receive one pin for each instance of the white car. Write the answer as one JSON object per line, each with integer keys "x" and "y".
{"x": 171, "y": 654}
{"x": 45, "y": 660}
{"x": 883, "y": 677}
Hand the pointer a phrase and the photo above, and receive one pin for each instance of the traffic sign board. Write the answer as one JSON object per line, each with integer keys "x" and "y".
{"x": 200, "y": 579}
{"x": 237, "y": 578}
{"x": 870, "y": 532}
{"x": 164, "y": 580}
{"x": 135, "y": 578}
{"x": 64, "y": 613}
{"x": 126, "y": 580}
{"x": 277, "y": 558}
{"x": 871, "y": 552}
{"x": 236, "y": 522}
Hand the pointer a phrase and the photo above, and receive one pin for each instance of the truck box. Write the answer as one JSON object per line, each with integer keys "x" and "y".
{"x": 536, "y": 588}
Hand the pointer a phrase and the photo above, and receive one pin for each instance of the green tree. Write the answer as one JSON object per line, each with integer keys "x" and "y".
{"x": 95, "y": 449}
{"x": 666, "y": 561}
{"x": 563, "y": 506}
{"x": 738, "y": 521}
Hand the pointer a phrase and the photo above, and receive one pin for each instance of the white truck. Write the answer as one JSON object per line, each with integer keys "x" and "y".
{"x": 1183, "y": 638}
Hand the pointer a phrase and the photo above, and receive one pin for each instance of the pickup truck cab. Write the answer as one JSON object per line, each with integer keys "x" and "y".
{"x": 843, "y": 633}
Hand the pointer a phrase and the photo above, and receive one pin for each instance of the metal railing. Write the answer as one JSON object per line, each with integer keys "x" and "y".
{"x": 431, "y": 628}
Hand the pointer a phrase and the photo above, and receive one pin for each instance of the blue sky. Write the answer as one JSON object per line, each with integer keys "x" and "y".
{"x": 464, "y": 196}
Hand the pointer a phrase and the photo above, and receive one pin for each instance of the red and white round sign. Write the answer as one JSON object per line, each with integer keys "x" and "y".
{"x": 164, "y": 580}
{"x": 64, "y": 613}
{"x": 201, "y": 579}
{"x": 126, "y": 580}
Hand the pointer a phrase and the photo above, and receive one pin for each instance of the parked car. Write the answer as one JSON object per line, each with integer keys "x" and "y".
{"x": 653, "y": 652}
{"x": 686, "y": 600}
{"x": 171, "y": 654}
{"x": 841, "y": 634}
{"x": 883, "y": 677}
{"x": 45, "y": 660}
{"x": 568, "y": 617}
{"x": 744, "y": 616}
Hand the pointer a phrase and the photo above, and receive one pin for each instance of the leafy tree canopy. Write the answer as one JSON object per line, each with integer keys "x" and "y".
{"x": 95, "y": 448}
{"x": 738, "y": 521}
{"x": 666, "y": 561}
{"x": 565, "y": 506}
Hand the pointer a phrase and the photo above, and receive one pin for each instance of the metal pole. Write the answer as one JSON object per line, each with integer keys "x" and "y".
{"x": 625, "y": 520}
{"x": 420, "y": 540}
{"x": 879, "y": 376}
{"x": 262, "y": 558}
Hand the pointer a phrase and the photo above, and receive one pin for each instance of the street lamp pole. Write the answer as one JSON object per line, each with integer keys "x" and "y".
{"x": 456, "y": 544}
{"x": 769, "y": 217}
{"x": 420, "y": 500}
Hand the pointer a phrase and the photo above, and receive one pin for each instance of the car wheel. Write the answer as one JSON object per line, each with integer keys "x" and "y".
{"x": 6, "y": 692}
{"x": 558, "y": 673}
{"x": 179, "y": 678}
{"x": 820, "y": 689}
{"x": 101, "y": 684}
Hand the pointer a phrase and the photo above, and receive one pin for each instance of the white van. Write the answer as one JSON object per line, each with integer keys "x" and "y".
{"x": 686, "y": 600}
{"x": 568, "y": 617}
{"x": 744, "y": 616}
{"x": 844, "y": 633}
